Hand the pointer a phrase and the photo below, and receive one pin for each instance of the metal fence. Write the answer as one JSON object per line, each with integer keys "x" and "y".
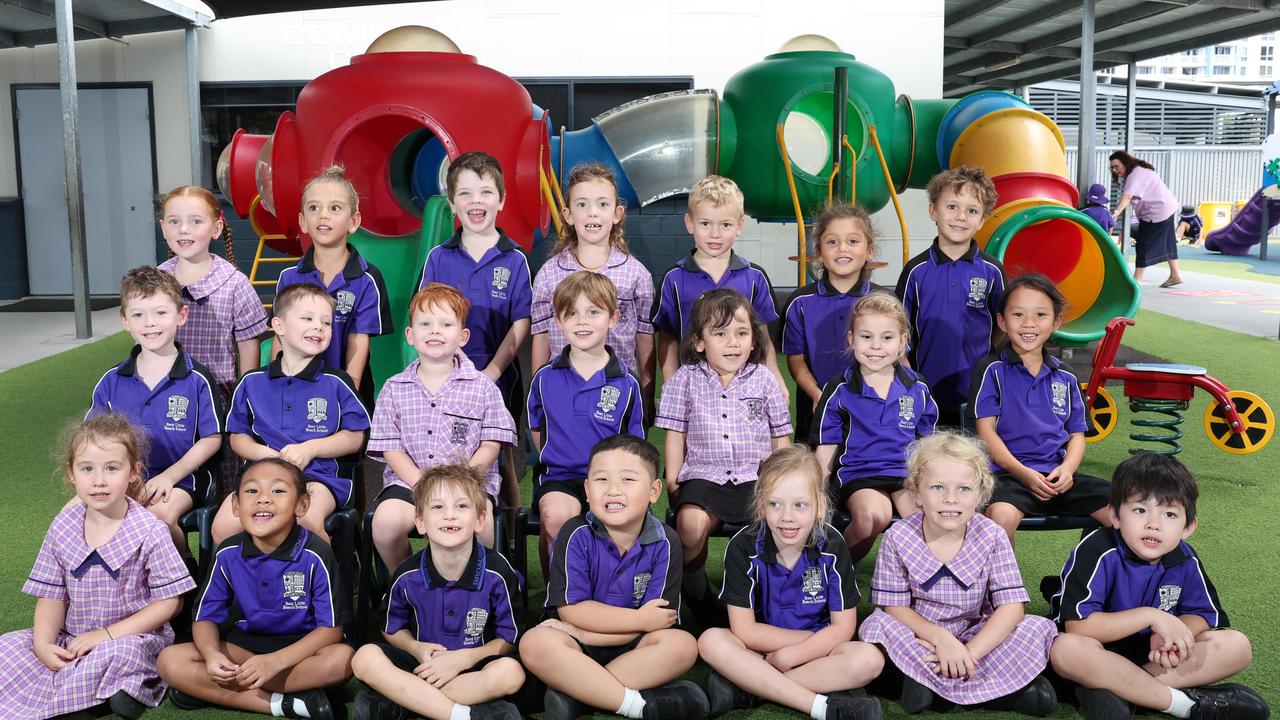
{"x": 1195, "y": 174}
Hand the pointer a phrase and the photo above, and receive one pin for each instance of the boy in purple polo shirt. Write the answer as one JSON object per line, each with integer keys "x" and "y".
{"x": 583, "y": 396}
{"x": 276, "y": 592}
{"x": 1143, "y": 625}
{"x": 298, "y": 409}
{"x": 451, "y": 626}
{"x": 330, "y": 213}
{"x": 493, "y": 274}
{"x": 714, "y": 219}
{"x": 440, "y": 410}
{"x": 613, "y": 595}
{"x": 163, "y": 391}
{"x": 951, "y": 291}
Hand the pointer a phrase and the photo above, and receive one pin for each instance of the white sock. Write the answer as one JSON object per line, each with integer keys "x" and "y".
{"x": 300, "y": 708}
{"x": 819, "y": 709}
{"x": 1181, "y": 705}
{"x": 277, "y": 704}
{"x": 632, "y": 704}
{"x": 460, "y": 712}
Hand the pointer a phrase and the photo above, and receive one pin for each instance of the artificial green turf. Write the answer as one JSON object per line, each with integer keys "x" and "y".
{"x": 1235, "y": 539}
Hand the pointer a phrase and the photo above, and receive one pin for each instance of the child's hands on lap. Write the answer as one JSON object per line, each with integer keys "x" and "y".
{"x": 567, "y": 628}
{"x": 1176, "y": 635}
{"x": 157, "y": 489}
{"x": 1061, "y": 479}
{"x": 950, "y": 658}
{"x": 257, "y": 670}
{"x": 1036, "y": 483}
{"x": 83, "y": 643}
{"x": 422, "y": 651}
{"x": 657, "y": 616}
{"x": 443, "y": 666}
{"x": 1168, "y": 658}
{"x": 298, "y": 454}
{"x": 221, "y": 670}
{"x": 782, "y": 658}
{"x": 54, "y": 656}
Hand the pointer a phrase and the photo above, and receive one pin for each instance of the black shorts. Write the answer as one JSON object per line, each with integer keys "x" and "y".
{"x": 407, "y": 662}
{"x": 1135, "y": 648}
{"x": 605, "y": 654}
{"x": 1087, "y": 495}
{"x": 573, "y": 488}
{"x": 840, "y": 494}
{"x": 338, "y": 504}
{"x": 259, "y": 644}
{"x": 804, "y": 418}
{"x": 729, "y": 502}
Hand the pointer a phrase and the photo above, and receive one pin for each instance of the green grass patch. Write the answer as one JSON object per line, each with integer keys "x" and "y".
{"x": 1235, "y": 537}
{"x": 1236, "y": 270}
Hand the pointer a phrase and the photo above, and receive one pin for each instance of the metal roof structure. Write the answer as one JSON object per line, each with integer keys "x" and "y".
{"x": 27, "y": 23}
{"x": 1015, "y": 43}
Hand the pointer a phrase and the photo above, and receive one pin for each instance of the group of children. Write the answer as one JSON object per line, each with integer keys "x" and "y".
{"x": 879, "y": 377}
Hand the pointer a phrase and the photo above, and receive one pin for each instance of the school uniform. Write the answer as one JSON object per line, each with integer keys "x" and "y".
{"x": 952, "y": 306}
{"x": 438, "y": 428}
{"x": 634, "y": 287}
{"x": 1035, "y": 417}
{"x": 959, "y": 596}
{"x": 728, "y": 431}
{"x": 182, "y": 409}
{"x": 361, "y": 303}
{"x": 1100, "y": 215}
{"x": 101, "y": 586}
{"x": 573, "y": 414}
{"x": 685, "y": 282}
{"x": 278, "y": 410}
{"x": 222, "y": 310}
{"x": 499, "y": 290}
{"x": 278, "y": 597}
{"x": 802, "y": 597}
{"x": 1103, "y": 575}
{"x": 815, "y": 326}
{"x": 871, "y": 433}
{"x": 1194, "y": 226}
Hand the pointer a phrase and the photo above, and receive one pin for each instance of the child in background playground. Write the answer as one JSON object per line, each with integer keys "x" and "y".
{"x": 868, "y": 415}
{"x": 723, "y": 412}
{"x": 106, "y": 582}
{"x": 952, "y": 596}
{"x": 817, "y": 315}
{"x": 593, "y": 241}
{"x": 788, "y": 642}
{"x": 225, "y": 318}
{"x": 1189, "y": 225}
{"x": 1030, "y": 416}
{"x": 951, "y": 291}
{"x": 1097, "y": 205}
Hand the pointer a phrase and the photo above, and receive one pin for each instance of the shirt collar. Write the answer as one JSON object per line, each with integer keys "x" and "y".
{"x": 463, "y": 369}
{"x": 710, "y": 375}
{"x": 504, "y": 243}
{"x": 218, "y": 274}
{"x": 181, "y": 364}
{"x": 926, "y": 569}
{"x": 853, "y": 378}
{"x": 353, "y": 269}
{"x": 613, "y": 369}
{"x": 1008, "y": 355}
{"x": 112, "y": 554}
{"x": 566, "y": 260}
{"x": 650, "y": 533}
{"x": 735, "y": 262}
{"x": 309, "y": 373}
{"x": 768, "y": 551}
{"x": 1173, "y": 558}
{"x": 290, "y": 549}
{"x": 860, "y": 288}
{"x": 472, "y": 574}
{"x": 941, "y": 258}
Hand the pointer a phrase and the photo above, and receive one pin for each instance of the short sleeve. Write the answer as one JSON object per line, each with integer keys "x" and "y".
{"x": 929, "y": 416}
{"x": 793, "y": 340}
{"x": 399, "y": 606}
{"x": 1005, "y": 581}
{"x": 996, "y": 293}
{"x": 842, "y": 584}
{"x": 167, "y": 575}
{"x": 984, "y": 391}
{"x": 541, "y": 311}
{"x": 428, "y": 269}
{"x": 666, "y": 317}
{"x": 568, "y": 579}
{"x": 643, "y": 298}
{"x": 830, "y": 427}
{"x": 250, "y": 317}
{"x": 775, "y": 407}
{"x": 534, "y": 404}
{"x": 1078, "y": 420}
{"x": 100, "y": 403}
{"x": 215, "y": 599}
{"x": 329, "y": 601}
{"x": 240, "y": 414}
{"x": 48, "y": 578}
{"x": 521, "y": 289}
{"x": 1086, "y": 581}
{"x": 674, "y": 406}
{"x": 890, "y": 586}
{"x": 373, "y": 307}
{"x": 634, "y": 420}
{"x": 209, "y": 406}
{"x": 354, "y": 414}
{"x": 762, "y": 296}
{"x": 738, "y": 571}
{"x": 497, "y": 425}
{"x": 502, "y": 612}
{"x": 666, "y": 575}
{"x": 385, "y": 432}
{"x": 1199, "y": 597}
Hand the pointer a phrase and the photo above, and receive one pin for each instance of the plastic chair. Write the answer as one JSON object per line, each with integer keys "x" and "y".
{"x": 199, "y": 519}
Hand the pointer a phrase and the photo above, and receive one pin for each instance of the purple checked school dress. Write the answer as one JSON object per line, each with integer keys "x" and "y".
{"x": 959, "y": 596}
{"x": 136, "y": 567}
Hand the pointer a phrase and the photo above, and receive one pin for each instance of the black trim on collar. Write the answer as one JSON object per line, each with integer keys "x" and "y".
{"x": 941, "y": 258}
{"x": 352, "y": 270}
{"x": 288, "y": 550}
{"x": 1008, "y": 355}
{"x": 769, "y": 551}
{"x": 612, "y": 369}
{"x": 504, "y": 243}
{"x": 275, "y": 368}
{"x": 853, "y": 378}
{"x": 471, "y": 576}
{"x": 651, "y": 532}
{"x": 181, "y": 365}
{"x": 1173, "y": 558}
{"x": 860, "y": 288}
{"x": 736, "y": 262}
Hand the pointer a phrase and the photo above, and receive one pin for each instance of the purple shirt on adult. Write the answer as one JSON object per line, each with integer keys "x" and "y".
{"x": 1151, "y": 199}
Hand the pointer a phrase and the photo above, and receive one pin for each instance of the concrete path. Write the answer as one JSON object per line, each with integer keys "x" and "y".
{"x": 27, "y": 337}
{"x": 1245, "y": 306}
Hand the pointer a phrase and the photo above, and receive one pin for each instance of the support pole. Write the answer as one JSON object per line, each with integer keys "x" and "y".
{"x": 1088, "y": 105}
{"x": 1266, "y": 205}
{"x": 195, "y": 124}
{"x": 838, "y": 130}
{"x": 1130, "y": 129}
{"x": 72, "y": 187}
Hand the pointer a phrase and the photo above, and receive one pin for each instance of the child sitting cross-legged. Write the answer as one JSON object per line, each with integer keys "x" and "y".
{"x": 613, "y": 597}
{"x": 282, "y": 582}
{"x": 451, "y": 626}
{"x": 1142, "y": 622}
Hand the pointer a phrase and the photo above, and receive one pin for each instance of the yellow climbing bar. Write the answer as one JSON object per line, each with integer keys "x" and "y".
{"x": 802, "y": 255}
{"x": 893, "y": 194}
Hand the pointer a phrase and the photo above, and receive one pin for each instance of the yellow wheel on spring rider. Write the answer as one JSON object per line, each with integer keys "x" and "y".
{"x": 1103, "y": 416}
{"x": 1255, "y": 413}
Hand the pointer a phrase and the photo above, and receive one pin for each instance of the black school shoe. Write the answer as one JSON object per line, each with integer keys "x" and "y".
{"x": 559, "y": 706}
{"x": 126, "y": 705}
{"x": 916, "y": 698}
{"x": 183, "y": 701}
{"x": 495, "y": 710}
{"x": 723, "y": 696}
{"x": 1037, "y": 698}
{"x": 372, "y": 705}
{"x": 318, "y": 707}
{"x": 678, "y": 701}
{"x": 1227, "y": 702}
{"x": 843, "y": 706}
{"x": 1100, "y": 704}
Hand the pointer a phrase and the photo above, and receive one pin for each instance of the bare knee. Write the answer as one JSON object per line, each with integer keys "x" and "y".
{"x": 713, "y": 643}
{"x": 507, "y": 675}
{"x": 1005, "y": 515}
{"x": 679, "y": 646}
{"x": 1233, "y": 650}
{"x": 391, "y": 524}
{"x": 693, "y": 525}
{"x": 366, "y": 660}
{"x": 555, "y": 512}
{"x": 539, "y": 644}
{"x": 173, "y": 658}
{"x": 864, "y": 659}
{"x": 1072, "y": 653}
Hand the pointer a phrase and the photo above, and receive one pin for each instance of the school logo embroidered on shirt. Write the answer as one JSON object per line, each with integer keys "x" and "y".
{"x": 317, "y": 410}
{"x": 458, "y": 433}
{"x": 477, "y": 618}
{"x": 1059, "y": 390}
{"x": 1169, "y": 595}
{"x": 754, "y": 409}
{"x": 906, "y": 412}
{"x": 977, "y": 292}
{"x": 177, "y": 407}
{"x": 608, "y": 402}
{"x": 811, "y": 585}
{"x": 345, "y": 301}
{"x": 295, "y": 585}
{"x": 501, "y": 278}
{"x": 639, "y": 586}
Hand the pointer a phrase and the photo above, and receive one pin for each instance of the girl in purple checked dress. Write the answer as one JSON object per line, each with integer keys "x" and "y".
{"x": 952, "y": 618}
{"x": 107, "y": 580}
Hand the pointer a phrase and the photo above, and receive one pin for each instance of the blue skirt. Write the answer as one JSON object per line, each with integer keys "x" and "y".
{"x": 1156, "y": 242}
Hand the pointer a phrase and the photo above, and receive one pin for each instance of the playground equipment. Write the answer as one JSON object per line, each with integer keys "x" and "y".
{"x": 1238, "y": 422}
{"x": 399, "y": 113}
{"x": 1245, "y": 229}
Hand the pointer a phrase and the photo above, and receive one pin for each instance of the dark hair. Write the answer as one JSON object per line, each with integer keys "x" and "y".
{"x": 639, "y": 447}
{"x": 1128, "y": 161}
{"x": 715, "y": 309}
{"x": 842, "y": 211}
{"x": 1039, "y": 283}
{"x": 143, "y": 282}
{"x": 957, "y": 179}
{"x": 481, "y": 163}
{"x": 1150, "y": 475}
{"x": 582, "y": 173}
{"x": 292, "y": 471}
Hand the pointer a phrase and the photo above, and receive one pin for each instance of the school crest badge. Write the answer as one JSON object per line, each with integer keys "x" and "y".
{"x": 295, "y": 585}
{"x": 1059, "y": 399}
{"x": 608, "y": 402}
{"x": 317, "y": 410}
{"x": 345, "y": 300}
{"x": 458, "y": 433}
{"x": 811, "y": 586}
{"x": 754, "y": 410}
{"x": 501, "y": 278}
{"x": 477, "y": 618}
{"x": 977, "y": 292}
{"x": 177, "y": 407}
{"x": 1169, "y": 595}
{"x": 906, "y": 411}
{"x": 639, "y": 586}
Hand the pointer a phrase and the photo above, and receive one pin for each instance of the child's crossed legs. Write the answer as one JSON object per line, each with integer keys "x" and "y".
{"x": 498, "y": 678}
{"x": 185, "y": 668}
